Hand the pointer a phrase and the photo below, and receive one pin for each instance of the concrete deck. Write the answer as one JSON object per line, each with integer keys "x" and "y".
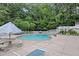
{"x": 56, "y": 46}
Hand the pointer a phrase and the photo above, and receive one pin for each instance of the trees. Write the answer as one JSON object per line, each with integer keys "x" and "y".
{"x": 24, "y": 25}
{"x": 39, "y": 16}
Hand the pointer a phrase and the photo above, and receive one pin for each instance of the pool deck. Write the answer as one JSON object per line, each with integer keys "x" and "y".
{"x": 56, "y": 46}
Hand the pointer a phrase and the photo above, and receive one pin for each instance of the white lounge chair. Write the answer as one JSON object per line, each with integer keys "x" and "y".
{"x": 37, "y": 52}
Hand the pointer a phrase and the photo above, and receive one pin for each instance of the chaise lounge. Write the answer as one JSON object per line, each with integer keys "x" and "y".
{"x": 37, "y": 52}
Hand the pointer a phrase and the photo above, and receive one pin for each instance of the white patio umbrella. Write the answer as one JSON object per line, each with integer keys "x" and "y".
{"x": 9, "y": 28}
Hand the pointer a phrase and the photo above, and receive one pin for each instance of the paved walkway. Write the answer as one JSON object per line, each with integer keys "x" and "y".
{"x": 56, "y": 46}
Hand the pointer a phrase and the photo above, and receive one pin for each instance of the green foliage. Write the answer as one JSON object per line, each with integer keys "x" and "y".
{"x": 69, "y": 32}
{"x": 52, "y": 25}
{"x": 72, "y": 32}
{"x": 1, "y": 22}
{"x": 63, "y": 32}
{"x": 43, "y": 24}
{"x": 24, "y": 25}
{"x": 39, "y": 16}
{"x": 29, "y": 18}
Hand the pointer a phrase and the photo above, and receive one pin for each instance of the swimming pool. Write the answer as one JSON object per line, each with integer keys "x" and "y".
{"x": 34, "y": 37}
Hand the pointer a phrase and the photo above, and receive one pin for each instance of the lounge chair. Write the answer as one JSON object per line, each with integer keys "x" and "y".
{"x": 37, "y": 52}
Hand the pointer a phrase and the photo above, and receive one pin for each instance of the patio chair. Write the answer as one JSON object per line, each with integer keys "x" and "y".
{"x": 3, "y": 46}
{"x": 37, "y": 52}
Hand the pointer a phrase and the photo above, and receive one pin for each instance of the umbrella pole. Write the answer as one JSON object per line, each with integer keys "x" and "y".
{"x": 10, "y": 42}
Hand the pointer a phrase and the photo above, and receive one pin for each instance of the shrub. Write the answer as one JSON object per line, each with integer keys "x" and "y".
{"x": 69, "y": 32}
{"x": 62, "y": 32}
{"x": 72, "y": 32}
{"x": 24, "y": 25}
{"x": 52, "y": 25}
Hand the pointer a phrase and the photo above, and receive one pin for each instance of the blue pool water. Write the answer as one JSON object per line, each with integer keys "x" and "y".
{"x": 34, "y": 37}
